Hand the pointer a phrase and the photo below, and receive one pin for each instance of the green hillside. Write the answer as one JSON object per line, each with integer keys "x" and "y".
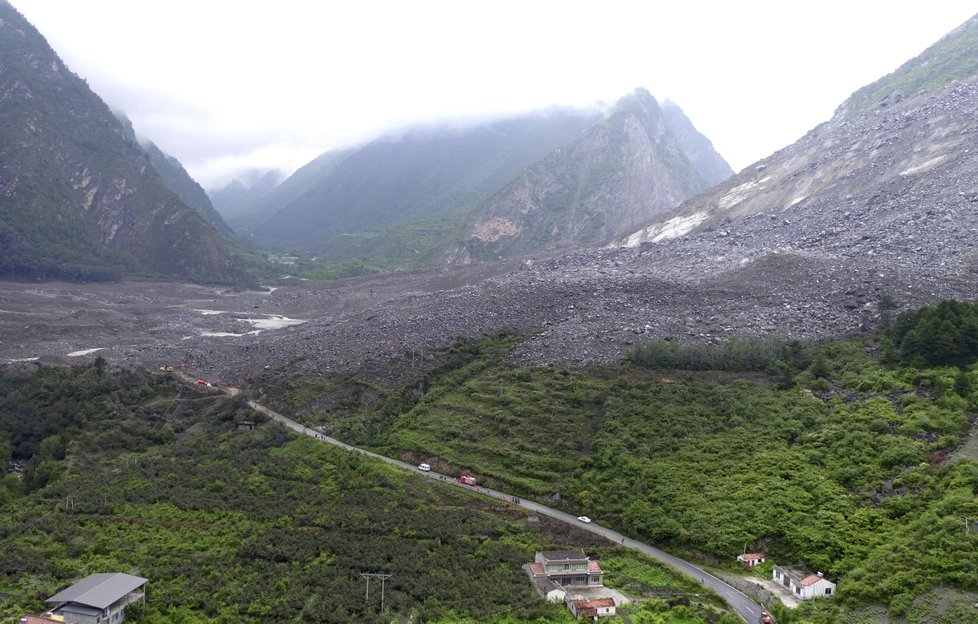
{"x": 138, "y": 473}
{"x": 822, "y": 456}
{"x": 954, "y": 57}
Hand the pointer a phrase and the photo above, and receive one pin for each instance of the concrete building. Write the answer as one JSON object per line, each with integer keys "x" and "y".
{"x": 802, "y": 583}
{"x": 568, "y": 569}
{"x": 98, "y": 599}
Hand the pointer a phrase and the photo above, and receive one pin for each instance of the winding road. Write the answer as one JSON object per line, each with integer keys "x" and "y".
{"x": 746, "y": 608}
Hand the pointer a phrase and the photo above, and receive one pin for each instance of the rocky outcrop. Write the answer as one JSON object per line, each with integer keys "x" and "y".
{"x": 897, "y": 184}
{"x": 639, "y": 162}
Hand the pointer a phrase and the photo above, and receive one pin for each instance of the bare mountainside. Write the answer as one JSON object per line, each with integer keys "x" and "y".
{"x": 897, "y": 184}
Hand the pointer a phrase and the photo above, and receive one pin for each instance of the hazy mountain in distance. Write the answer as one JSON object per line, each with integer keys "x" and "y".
{"x": 638, "y": 162}
{"x": 432, "y": 195}
{"x": 348, "y": 203}
{"x": 78, "y": 198}
{"x": 236, "y": 200}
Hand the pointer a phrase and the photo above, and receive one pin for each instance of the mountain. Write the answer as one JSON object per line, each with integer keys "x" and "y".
{"x": 176, "y": 178}
{"x": 897, "y": 182}
{"x": 238, "y": 198}
{"x": 445, "y": 195}
{"x": 349, "y": 203}
{"x": 953, "y": 57}
{"x": 641, "y": 161}
{"x": 179, "y": 181}
{"x": 80, "y": 199}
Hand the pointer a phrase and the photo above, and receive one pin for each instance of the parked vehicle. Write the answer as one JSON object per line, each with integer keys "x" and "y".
{"x": 584, "y": 519}
{"x": 466, "y": 480}
{"x": 203, "y": 382}
{"x": 766, "y": 617}
{"x": 424, "y": 467}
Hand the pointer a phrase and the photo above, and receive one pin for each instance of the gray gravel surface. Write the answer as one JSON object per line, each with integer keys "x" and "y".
{"x": 888, "y": 207}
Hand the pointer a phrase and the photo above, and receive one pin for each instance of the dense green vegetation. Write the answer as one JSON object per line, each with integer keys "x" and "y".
{"x": 942, "y": 335}
{"x": 826, "y": 456}
{"x": 138, "y": 473}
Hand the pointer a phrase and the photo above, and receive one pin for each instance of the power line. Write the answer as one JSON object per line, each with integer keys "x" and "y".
{"x": 383, "y": 579}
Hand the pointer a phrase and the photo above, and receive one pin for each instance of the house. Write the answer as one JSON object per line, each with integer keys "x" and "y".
{"x": 749, "y": 560}
{"x": 592, "y": 608}
{"x": 802, "y": 583}
{"x": 566, "y": 568}
{"x": 98, "y": 599}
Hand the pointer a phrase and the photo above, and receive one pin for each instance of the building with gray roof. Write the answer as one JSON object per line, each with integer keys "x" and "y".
{"x": 98, "y": 598}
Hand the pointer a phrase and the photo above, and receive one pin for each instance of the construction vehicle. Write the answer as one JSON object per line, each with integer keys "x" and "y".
{"x": 166, "y": 369}
{"x": 466, "y": 480}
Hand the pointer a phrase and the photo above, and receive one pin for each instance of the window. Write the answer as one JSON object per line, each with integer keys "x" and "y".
{"x": 566, "y": 566}
{"x": 828, "y": 591}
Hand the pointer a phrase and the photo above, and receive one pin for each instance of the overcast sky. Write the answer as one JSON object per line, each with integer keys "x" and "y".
{"x": 226, "y": 85}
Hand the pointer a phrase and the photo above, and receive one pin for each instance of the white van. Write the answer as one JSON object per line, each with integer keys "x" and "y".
{"x": 424, "y": 468}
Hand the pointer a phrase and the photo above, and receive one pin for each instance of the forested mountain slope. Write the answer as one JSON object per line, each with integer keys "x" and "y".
{"x": 79, "y": 198}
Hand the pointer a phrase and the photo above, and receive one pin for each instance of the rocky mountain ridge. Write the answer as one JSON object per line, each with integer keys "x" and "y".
{"x": 639, "y": 162}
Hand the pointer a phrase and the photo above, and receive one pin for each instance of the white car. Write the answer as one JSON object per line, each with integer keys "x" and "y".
{"x": 584, "y": 519}
{"x": 424, "y": 467}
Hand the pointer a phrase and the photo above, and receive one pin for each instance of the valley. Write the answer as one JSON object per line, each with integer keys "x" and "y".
{"x": 624, "y": 346}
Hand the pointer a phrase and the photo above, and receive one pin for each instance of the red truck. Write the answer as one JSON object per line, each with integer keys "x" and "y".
{"x": 466, "y": 480}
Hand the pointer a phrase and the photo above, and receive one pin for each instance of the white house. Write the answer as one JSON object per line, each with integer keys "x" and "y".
{"x": 751, "y": 559}
{"x": 803, "y": 584}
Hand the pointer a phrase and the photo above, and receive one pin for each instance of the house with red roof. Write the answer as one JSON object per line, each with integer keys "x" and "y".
{"x": 803, "y": 584}
{"x": 592, "y": 608}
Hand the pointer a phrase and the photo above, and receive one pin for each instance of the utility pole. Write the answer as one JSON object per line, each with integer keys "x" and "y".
{"x": 383, "y": 579}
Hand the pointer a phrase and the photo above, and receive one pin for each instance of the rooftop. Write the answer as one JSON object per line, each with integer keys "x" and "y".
{"x": 99, "y": 590}
{"x": 564, "y": 555}
{"x": 801, "y": 576}
{"x": 594, "y": 603}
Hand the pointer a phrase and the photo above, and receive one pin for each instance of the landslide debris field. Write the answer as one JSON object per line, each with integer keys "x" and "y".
{"x": 806, "y": 244}
{"x": 589, "y": 306}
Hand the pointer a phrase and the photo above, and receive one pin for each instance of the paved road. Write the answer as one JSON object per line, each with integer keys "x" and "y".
{"x": 746, "y": 608}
